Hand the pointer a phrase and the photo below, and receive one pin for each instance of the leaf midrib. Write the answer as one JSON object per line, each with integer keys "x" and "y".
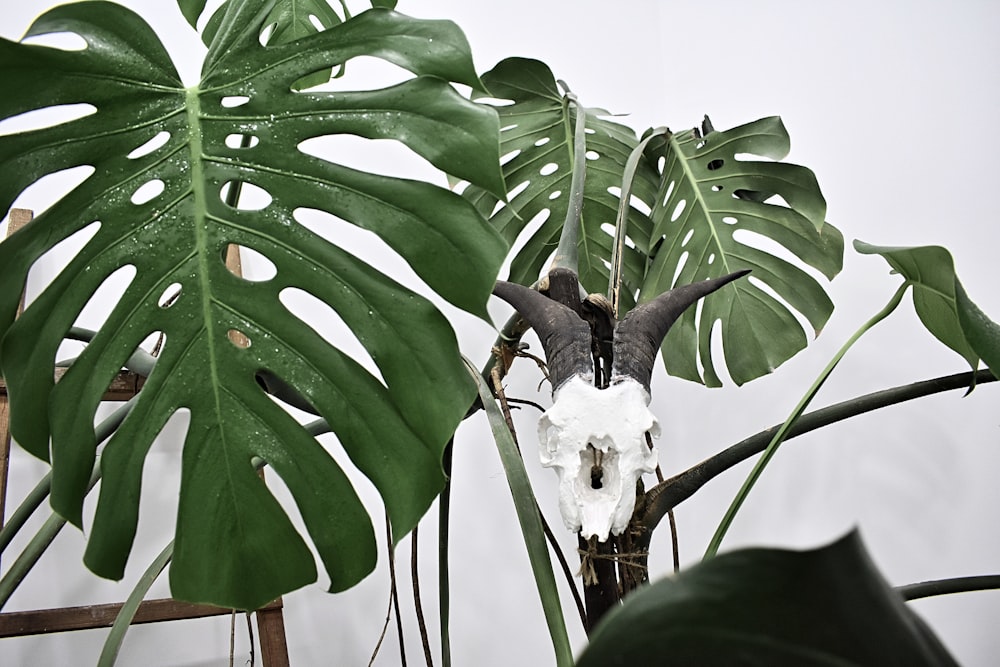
{"x": 202, "y": 249}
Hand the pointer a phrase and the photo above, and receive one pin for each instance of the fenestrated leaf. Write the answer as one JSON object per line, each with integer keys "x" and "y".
{"x": 829, "y": 606}
{"x": 288, "y": 21}
{"x": 710, "y": 205}
{"x": 537, "y": 134}
{"x": 942, "y": 303}
{"x": 234, "y": 545}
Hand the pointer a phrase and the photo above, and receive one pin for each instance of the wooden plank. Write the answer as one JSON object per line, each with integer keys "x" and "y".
{"x": 124, "y": 386}
{"x": 44, "y": 621}
{"x": 19, "y": 217}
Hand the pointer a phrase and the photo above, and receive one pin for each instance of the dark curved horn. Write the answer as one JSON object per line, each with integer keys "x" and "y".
{"x": 639, "y": 335}
{"x": 564, "y": 336}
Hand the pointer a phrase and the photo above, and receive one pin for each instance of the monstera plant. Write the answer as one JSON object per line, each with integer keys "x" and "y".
{"x": 617, "y": 235}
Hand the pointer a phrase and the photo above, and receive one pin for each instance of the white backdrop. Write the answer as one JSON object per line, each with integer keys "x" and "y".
{"x": 893, "y": 105}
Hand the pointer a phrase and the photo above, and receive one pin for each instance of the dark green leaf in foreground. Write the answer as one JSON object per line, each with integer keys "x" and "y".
{"x": 715, "y": 211}
{"x": 769, "y": 607}
{"x": 537, "y": 142}
{"x": 234, "y": 544}
{"x": 942, "y": 303}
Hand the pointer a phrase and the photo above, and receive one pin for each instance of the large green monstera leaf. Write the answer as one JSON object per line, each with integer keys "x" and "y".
{"x": 243, "y": 123}
{"x": 537, "y": 132}
{"x": 695, "y": 207}
{"x": 713, "y": 209}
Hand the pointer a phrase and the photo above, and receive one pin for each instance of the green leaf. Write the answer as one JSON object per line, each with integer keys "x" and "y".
{"x": 942, "y": 303}
{"x": 288, "y": 20}
{"x": 829, "y": 606}
{"x": 234, "y": 545}
{"x": 711, "y": 215}
{"x": 537, "y": 129}
{"x": 192, "y": 10}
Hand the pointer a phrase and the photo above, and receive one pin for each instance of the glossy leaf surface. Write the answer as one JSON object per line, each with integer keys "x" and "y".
{"x": 537, "y": 143}
{"x": 698, "y": 208}
{"x": 287, "y": 21}
{"x": 715, "y": 213}
{"x": 762, "y": 607}
{"x": 942, "y": 303}
{"x": 234, "y": 544}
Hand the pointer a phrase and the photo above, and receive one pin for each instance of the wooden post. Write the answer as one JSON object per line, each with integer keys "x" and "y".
{"x": 19, "y": 217}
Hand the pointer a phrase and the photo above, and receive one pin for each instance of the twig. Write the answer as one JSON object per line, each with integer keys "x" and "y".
{"x": 415, "y": 578}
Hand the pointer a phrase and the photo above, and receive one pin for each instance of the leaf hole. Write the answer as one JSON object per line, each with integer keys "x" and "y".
{"x": 147, "y": 192}
{"x": 670, "y": 191}
{"x": 316, "y": 23}
{"x": 680, "y": 268}
{"x": 386, "y": 157}
{"x": 98, "y": 308}
{"x": 548, "y": 169}
{"x": 329, "y": 325}
{"x": 170, "y": 295}
{"x": 588, "y": 130}
{"x": 526, "y": 236}
{"x": 716, "y": 164}
{"x": 148, "y": 147}
{"x": 64, "y": 41}
{"x": 542, "y": 141}
{"x": 233, "y": 101}
{"x": 508, "y": 128}
{"x": 592, "y": 155}
{"x": 51, "y": 263}
{"x": 555, "y": 194}
{"x": 729, "y": 220}
{"x": 48, "y": 189}
{"x": 238, "y": 339}
{"x": 251, "y": 197}
{"x": 717, "y": 188}
{"x": 40, "y": 119}
{"x": 242, "y": 140}
{"x": 518, "y": 189}
{"x": 497, "y": 102}
{"x": 678, "y": 210}
{"x": 687, "y": 238}
{"x": 507, "y": 157}
{"x": 254, "y": 267}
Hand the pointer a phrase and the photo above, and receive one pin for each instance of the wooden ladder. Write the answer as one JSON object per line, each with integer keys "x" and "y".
{"x": 270, "y": 620}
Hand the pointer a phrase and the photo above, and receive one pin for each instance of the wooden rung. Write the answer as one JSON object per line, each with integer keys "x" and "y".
{"x": 43, "y": 621}
{"x": 124, "y": 386}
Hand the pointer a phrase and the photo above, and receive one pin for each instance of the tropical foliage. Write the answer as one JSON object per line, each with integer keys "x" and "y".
{"x": 181, "y": 177}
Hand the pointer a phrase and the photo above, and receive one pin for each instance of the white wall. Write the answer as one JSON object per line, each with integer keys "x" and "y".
{"x": 892, "y": 104}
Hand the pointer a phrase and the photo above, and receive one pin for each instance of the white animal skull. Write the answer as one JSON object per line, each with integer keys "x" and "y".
{"x": 595, "y": 439}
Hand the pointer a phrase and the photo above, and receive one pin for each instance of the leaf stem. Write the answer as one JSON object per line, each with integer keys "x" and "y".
{"x": 985, "y": 582}
{"x": 667, "y": 495}
{"x": 530, "y": 522}
{"x": 782, "y": 432}
{"x": 621, "y": 220}
{"x": 113, "y": 644}
{"x": 567, "y": 253}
